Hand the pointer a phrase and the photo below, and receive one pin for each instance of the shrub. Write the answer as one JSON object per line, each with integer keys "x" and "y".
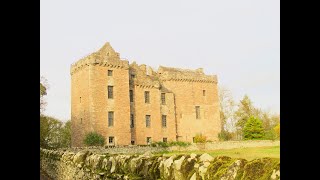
{"x": 253, "y": 129}
{"x": 178, "y": 143}
{"x": 159, "y": 144}
{"x": 277, "y": 131}
{"x": 199, "y": 138}
{"x": 94, "y": 139}
{"x": 270, "y": 135}
{"x": 224, "y": 135}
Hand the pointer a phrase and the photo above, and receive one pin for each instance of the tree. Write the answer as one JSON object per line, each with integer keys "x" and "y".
{"x": 65, "y": 135}
{"x": 50, "y": 132}
{"x": 94, "y": 139}
{"x": 253, "y": 129}
{"x": 277, "y": 130}
{"x": 245, "y": 111}
{"x": 227, "y": 108}
{"x": 43, "y": 91}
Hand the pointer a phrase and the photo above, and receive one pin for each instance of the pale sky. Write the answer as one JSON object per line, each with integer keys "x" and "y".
{"x": 237, "y": 40}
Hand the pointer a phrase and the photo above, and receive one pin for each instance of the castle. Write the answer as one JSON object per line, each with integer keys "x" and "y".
{"x": 133, "y": 104}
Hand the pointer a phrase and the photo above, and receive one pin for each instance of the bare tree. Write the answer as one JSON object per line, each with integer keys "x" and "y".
{"x": 227, "y": 109}
{"x": 43, "y": 91}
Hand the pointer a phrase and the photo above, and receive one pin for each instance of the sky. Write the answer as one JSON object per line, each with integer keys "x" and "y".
{"x": 239, "y": 41}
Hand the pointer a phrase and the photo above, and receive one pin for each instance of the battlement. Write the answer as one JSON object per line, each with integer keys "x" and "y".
{"x": 106, "y": 56}
{"x": 177, "y": 74}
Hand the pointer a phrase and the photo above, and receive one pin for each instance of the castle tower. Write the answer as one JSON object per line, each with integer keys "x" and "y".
{"x": 100, "y": 97}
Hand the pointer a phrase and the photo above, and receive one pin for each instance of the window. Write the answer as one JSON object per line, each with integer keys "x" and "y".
{"x": 146, "y": 97}
{"x": 110, "y": 118}
{"x": 165, "y": 139}
{"x": 132, "y": 142}
{"x": 163, "y": 98}
{"x": 111, "y": 140}
{"x": 109, "y": 72}
{"x": 197, "y": 112}
{"x": 80, "y": 99}
{"x": 149, "y": 141}
{"x": 164, "y": 121}
{"x": 132, "y": 76}
{"x": 81, "y": 121}
{"x": 193, "y": 139}
{"x": 204, "y": 92}
{"x": 131, "y": 121}
{"x": 148, "y": 123}
{"x": 110, "y": 92}
{"x": 131, "y": 95}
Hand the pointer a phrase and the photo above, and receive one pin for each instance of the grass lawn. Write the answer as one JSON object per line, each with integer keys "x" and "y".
{"x": 245, "y": 153}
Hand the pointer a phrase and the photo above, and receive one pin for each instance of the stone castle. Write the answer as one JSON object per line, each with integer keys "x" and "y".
{"x": 133, "y": 104}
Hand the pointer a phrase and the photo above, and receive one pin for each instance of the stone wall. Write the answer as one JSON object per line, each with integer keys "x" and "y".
{"x": 84, "y": 164}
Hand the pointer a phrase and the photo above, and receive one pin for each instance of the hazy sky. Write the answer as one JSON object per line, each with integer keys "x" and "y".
{"x": 237, "y": 40}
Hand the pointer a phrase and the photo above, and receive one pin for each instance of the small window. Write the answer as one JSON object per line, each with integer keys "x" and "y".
{"x": 132, "y": 76}
{"x": 149, "y": 141}
{"x": 147, "y": 97}
{"x": 131, "y": 95}
{"x": 163, "y": 98}
{"x": 164, "y": 121}
{"x": 132, "y": 142}
{"x": 110, "y": 72}
{"x": 193, "y": 139}
{"x": 80, "y": 99}
{"x": 110, "y": 118}
{"x": 131, "y": 121}
{"x": 111, "y": 140}
{"x": 148, "y": 123}
{"x": 81, "y": 120}
{"x": 197, "y": 112}
{"x": 165, "y": 139}
{"x": 204, "y": 92}
{"x": 110, "y": 92}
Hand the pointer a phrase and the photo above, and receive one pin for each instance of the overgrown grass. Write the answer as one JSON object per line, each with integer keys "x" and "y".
{"x": 245, "y": 153}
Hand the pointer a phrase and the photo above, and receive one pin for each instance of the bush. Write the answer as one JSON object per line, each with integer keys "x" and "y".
{"x": 270, "y": 135}
{"x": 277, "y": 131}
{"x": 225, "y": 135}
{"x": 199, "y": 138}
{"x": 253, "y": 129}
{"x": 94, "y": 139}
{"x": 159, "y": 144}
{"x": 179, "y": 143}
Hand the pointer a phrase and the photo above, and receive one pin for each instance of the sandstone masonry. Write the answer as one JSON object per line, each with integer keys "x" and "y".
{"x": 133, "y": 104}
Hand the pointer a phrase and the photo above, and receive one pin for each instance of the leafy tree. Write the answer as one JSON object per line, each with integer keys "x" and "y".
{"x": 94, "y": 139}
{"x": 277, "y": 130}
{"x": 65, "y": 135}
{"x": 253, "y": 129}
{"x": 50, "y": 132}
{"x": 245, "y": 111}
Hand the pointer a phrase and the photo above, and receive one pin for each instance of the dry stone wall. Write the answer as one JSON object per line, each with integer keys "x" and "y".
{"x": 65, "y": 165}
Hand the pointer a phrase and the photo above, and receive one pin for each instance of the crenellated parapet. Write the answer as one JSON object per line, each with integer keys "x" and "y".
{"x": 185, "y": 75}
{"x": 143, "y": 76}
{"x": 106, "y": 57}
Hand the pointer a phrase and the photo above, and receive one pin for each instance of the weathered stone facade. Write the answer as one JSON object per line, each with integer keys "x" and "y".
{"x": 186, "y": 99}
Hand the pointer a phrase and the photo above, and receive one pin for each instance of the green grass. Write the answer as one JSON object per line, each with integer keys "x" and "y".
{"x": 245, "y": 153}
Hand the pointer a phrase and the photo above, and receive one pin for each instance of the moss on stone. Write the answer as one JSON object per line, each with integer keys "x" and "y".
{"x": 218, "y": 167}
{"x": 260, "y": 169}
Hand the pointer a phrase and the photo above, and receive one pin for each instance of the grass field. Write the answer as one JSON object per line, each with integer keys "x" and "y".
{"x": 245, "y": 153}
